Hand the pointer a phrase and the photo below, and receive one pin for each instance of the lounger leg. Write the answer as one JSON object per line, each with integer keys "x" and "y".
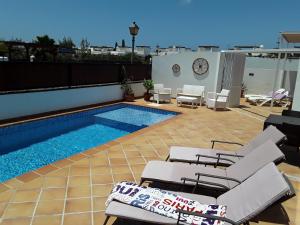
{"x": 106, "y": 220}
{"x": 142, "y": 181}
{"x": 168, "y": 157}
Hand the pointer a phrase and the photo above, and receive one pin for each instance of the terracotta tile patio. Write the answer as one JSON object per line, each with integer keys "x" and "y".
{"x": 74, "y": 190}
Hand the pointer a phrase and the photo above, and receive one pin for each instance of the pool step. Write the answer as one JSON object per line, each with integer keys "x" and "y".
{"x": 117, "y": 124}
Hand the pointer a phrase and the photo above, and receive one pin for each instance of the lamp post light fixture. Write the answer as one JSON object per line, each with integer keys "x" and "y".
{"x": 133, "y": 29}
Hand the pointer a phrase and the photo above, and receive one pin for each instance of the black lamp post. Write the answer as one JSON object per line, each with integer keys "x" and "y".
{"x": 133, "y": 29}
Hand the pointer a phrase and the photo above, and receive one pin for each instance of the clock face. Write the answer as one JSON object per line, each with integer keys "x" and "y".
{"x": 176, "y": 68}
{"x": 200, "y": 66}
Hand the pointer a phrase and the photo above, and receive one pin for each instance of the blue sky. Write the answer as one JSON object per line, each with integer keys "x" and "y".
{"x": 165, "y": 22}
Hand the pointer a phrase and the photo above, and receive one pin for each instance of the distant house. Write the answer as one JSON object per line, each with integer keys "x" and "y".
{"x": 100, "y": 50}
{"x": 171, "y": 50}
{"x": 139, "y": 50}
{"x": 208, "y": 48}
{"x": 121, "y": 50}
{"x": 142, "y": 50}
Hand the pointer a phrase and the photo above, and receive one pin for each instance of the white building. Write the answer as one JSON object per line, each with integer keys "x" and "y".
{"x": 100, "y": 50}
{"x": 139, "y": 50}
{"x": 142, "y": 50}
{"x": 223, "y": 71}
{"x": 208, "y": 48}
{"x": 171, "y": 50}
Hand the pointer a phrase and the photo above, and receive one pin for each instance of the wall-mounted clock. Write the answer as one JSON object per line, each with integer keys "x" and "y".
{"x": 200, "y": 66}
{"x": 176, "y": 68}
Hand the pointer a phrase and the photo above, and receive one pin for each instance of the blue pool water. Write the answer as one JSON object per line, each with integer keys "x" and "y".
{"x": 135, "y": 116}
{"x": 31, "y": 145}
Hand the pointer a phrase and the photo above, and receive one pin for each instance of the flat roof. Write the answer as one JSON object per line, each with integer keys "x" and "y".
{"x": 208, "y": 46}
{"x": 291, "y": 37}
{"x": 246, "y": 46}
{"x": 281, "y": 50}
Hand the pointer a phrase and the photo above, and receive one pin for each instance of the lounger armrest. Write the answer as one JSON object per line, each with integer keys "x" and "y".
{"x": 208, "y": 216}
{"x": 233, "y": 155}
{"x": 216, "y": 176}
{"x": 224, "y": 142}
{"x": 197, "y": 181}
{"x": 212, "y": 157}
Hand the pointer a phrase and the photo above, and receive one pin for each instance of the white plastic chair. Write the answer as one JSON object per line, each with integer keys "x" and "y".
{"x": 217, "y": 100}
{"x": 160, "y": 93}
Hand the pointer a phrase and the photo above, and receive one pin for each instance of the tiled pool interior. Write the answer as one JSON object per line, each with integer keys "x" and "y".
{"x": 31, "y": 145}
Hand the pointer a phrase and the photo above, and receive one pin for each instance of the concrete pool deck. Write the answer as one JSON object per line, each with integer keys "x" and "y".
{"x": 74, "y": 190}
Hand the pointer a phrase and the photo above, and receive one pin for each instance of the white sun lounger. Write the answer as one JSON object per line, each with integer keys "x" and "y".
{"x": 222, "y": 157}
{"x": 256, "y": 96}
{"x": 262, "y": 190}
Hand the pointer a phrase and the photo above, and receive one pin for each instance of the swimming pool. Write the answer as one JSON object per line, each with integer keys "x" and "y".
{"x": 29, "y": 146}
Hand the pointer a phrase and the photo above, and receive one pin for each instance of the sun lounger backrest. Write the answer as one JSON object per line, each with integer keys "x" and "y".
{"x": 270, "y": 133}
{"x": 256, "y": 159}
{"x": 261, "y": 190}
{"x": 279, "y": 91}
{"x": 281, "y": 96}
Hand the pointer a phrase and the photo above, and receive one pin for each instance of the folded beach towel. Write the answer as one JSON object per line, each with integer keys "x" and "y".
{"x": 165, "y": 203}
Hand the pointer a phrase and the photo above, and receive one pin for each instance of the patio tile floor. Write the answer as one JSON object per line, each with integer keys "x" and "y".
{"x": 73, "y": 191}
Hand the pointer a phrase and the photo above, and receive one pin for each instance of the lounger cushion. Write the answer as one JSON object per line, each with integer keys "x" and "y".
{"x": 172, "y": 172}
{"x": 130, "y": 212}
{"x": 271, "y": 133}
{"x": 258, "y": 158}
{"x": 255, "y": 194}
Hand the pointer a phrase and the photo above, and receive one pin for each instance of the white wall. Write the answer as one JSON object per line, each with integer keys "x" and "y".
{"x": 264, "y": 70}
{"x": 296, "y": 100}
{"x": 22, "y": 104}
{"x": 162, "y": 70}
{"x": 267, "y": 63}
{"x": 262, "y": 80}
